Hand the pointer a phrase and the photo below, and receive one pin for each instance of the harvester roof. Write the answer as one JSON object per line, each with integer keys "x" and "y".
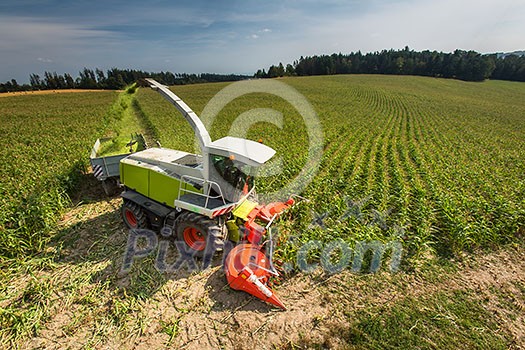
{"x": 245, "y": 151}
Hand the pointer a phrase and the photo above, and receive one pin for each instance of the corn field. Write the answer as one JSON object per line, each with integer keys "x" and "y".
{"x": 46, "y": 142}
{"x": 438, "y": 164}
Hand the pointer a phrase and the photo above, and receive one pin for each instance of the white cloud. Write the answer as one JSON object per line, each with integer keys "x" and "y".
{"x": 31, "y": 33}
{"x": 481, "y": 25}
{"x": 30, "y": 45}
{"x": 441, "y": 25}
{"x": 260, "y": 32}
{"x": 209, "y": 38}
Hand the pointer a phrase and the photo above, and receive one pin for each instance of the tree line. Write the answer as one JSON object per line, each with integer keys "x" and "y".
{"x": 460, "y": 64}
{"x": 113, "y": 79}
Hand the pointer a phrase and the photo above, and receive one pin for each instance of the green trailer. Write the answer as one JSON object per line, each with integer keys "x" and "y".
{"x": 106, "y": 164}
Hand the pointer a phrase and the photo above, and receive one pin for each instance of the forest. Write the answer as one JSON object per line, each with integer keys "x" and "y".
{"x": 460, "y": 64}
{"x": 113, "y": 79}
{"x": 463, "y": 65}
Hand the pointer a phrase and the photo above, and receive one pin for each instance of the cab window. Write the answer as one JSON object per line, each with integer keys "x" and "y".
{"x": 235, "y": 173}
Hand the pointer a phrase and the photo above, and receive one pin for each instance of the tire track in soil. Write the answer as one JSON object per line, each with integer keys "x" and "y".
{"x": 318, "y": 304}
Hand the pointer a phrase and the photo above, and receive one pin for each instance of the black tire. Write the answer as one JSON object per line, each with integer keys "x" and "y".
{"x": 110, "y": 186}
{"x": 133, "y": 215}
{"x": 200, "y": 234}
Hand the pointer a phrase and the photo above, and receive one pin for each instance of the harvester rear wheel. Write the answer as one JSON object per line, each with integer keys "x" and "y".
{"x": 133, "y": 215}
{"x": 200, "y": 234}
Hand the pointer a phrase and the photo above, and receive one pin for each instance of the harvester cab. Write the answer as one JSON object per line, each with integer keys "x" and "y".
{"x": 206, "y": 200}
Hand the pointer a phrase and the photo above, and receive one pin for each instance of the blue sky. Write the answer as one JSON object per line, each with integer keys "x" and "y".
{"x": 239, "y": 36}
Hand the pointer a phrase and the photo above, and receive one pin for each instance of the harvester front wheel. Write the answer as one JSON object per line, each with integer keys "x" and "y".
{"x": 133, "y": 215}
{"x": 200, "y": 234}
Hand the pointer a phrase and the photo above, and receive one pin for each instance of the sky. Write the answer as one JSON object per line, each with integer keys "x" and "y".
{"x": 239, "y": 36}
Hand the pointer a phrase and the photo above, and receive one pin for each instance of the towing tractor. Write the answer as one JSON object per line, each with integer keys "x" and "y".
{"x": 205, "y": 200}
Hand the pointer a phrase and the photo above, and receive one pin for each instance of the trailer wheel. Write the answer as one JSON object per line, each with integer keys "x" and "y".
{"x": 133, "y": 215}
{"x": 200, "y": 233}
{"x": 110, "y": 186}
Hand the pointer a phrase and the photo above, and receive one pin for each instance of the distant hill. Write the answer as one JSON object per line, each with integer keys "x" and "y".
{"x": 505, "y": 54}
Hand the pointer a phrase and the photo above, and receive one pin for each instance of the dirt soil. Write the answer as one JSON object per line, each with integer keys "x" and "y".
{"x": 315, "y": 305}
{"x": 205, "y": 314}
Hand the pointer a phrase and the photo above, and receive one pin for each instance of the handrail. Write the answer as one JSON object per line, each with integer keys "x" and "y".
{"x": 187, "y": 179}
